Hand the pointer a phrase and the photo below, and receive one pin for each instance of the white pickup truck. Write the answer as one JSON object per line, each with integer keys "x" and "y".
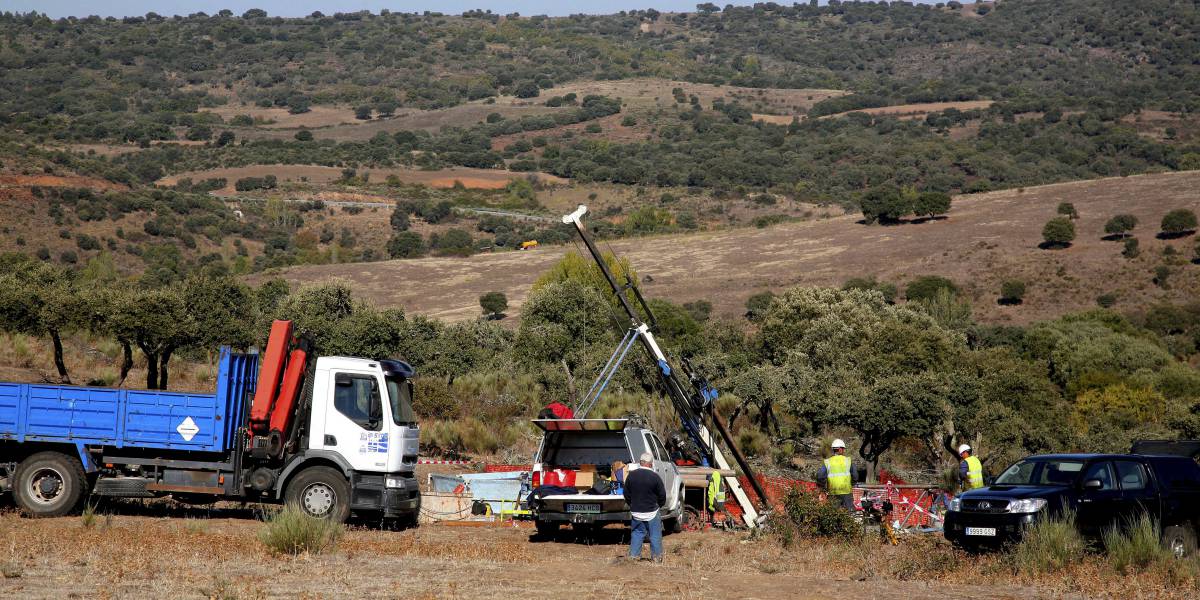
{"x": 589, "y": 447}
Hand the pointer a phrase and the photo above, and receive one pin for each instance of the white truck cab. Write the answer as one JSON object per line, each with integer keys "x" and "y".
{"x": 361, "y": 420}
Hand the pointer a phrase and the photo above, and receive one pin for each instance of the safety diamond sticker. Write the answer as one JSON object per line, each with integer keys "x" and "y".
{"x": 188, "y": 429}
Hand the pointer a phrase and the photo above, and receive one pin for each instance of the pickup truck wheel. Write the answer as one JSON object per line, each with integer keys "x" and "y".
{"x": 320, "y": 492}
{"x": 1180, "y": 540}
{"x": 49, "y": 484}
{"x": 546, "y": 529}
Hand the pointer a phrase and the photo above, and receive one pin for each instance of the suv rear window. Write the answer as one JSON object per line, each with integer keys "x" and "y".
{"x": 1176, "y": 473}
{"x": 575, "y": 448}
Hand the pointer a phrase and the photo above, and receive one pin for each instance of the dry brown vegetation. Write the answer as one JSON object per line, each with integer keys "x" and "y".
{"x": 987, "y": 239}
{"x": 643, "y": 93}
{"x": 216, "y": 554}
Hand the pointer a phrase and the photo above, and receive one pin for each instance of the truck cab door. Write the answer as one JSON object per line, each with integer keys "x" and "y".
{"x": 355, "y": 420}
{"x": 1099, "y": 499}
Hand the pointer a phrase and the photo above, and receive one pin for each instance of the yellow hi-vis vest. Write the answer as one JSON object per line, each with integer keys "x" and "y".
{"x": 837, "y": 470}
{"x": 716, "y": 491}
{"x": 974, "y": 473}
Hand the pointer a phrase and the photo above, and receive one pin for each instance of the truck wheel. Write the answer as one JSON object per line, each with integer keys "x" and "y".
{"x": 1180, "y": 540}
{"x": 49, "y": 484}
{"x": 321, "y": 492}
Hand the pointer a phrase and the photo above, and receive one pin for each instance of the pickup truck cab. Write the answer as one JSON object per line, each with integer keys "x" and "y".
{"x": 1103, "y": 490}
{"x": 588, "y": 447}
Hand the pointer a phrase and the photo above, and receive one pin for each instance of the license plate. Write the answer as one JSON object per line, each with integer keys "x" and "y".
{"x": 989, "y": 531}
{"x": 583, "y": 508}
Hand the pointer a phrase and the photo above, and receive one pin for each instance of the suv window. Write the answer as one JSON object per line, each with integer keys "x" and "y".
{"x": 1103, "y": 472}
{"x": 357, "y": 397}
{"x": 1131, "y": 474}
{"x": 1177, "y": 473}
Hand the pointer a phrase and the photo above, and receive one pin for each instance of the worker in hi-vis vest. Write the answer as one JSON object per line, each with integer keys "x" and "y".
{"x": 970, "y": 470}
{"x": 715, "y": 498}
{"x": 837, "y": 475}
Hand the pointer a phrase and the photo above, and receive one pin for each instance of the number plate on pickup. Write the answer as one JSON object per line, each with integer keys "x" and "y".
{"x": 988, "y": 531}
{"x": 584, "y": 508}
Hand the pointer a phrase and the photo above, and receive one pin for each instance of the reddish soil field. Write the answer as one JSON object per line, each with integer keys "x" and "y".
{"x": 988, "y": 238}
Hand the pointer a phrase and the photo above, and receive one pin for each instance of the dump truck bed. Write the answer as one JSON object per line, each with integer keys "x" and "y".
{"x": 131, "y": 418}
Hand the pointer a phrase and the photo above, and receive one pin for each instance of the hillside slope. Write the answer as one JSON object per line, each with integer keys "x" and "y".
{"x": 988, "y": 238}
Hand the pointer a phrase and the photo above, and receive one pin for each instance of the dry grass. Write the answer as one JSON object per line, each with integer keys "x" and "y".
{"x": 93, "y": 361}
{"x": 141, "y": 556}
{"x": 987, "y": 239}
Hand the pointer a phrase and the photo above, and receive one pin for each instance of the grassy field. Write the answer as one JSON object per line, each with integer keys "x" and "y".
{"x": 987, "y": 239}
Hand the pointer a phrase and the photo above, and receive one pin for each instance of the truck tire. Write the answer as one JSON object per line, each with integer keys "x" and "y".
{"x": 1180, "y": 540}
{"x": 321, "y": 492}
{"x": 49, "y": 484}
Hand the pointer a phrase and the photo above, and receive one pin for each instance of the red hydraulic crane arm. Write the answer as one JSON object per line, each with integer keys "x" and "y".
{"x": 269, "y": 376}
{"x": 289, "y": 392}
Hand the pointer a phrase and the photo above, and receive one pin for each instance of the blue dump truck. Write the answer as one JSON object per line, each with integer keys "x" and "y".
{"x": 345, "y": 442}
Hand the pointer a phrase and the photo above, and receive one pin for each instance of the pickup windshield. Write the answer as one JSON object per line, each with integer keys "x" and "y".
{"x": 400, "y": 393}
{"x": 1041, "y": 471}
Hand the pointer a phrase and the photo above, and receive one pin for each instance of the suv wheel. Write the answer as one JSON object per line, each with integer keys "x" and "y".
{"x": 1180, "y": 540}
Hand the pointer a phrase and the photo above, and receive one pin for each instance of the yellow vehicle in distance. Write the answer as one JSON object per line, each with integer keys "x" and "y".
{"x": 528, "y": 245}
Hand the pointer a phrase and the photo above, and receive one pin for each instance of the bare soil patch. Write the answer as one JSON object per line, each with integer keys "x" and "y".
{"x": 988, "y": 238}
{"x": 913, "y": 111}
{"x": 442, "y": 178}
{"x": 648, "y": 92}
{"x": 72, "y": 181}
{"x": 463, "y": 115}
{"x": 317, "y": 116}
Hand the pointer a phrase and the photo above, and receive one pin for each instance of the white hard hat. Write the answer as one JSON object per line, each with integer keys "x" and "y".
{"x": 838, "y": 443}
{"x": 964, "y": 448}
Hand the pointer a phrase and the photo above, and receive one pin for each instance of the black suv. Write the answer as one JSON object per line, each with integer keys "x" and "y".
{"x": 1103, "y": 490}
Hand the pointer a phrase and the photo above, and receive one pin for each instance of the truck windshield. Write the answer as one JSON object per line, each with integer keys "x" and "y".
{"x": 400, "y": 393}
{"x": 1041, "y": 471}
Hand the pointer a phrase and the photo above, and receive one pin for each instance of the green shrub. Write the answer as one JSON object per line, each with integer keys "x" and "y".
{"x": 1106, "y": 300}
{"x": 1058, "y": 232}
{"x": 1049, "y": 545}
{"x": 925, "y": 288}
{"x": 1136, "y": 546}
{"x": 292, "y": 531}
{"x": 1012, "y": 292}
{"x": 1131, "y": 249}
{"x": 1067, "y": 210}
{"x": 1178, "y": 222}
{"x": 806, "y": 515}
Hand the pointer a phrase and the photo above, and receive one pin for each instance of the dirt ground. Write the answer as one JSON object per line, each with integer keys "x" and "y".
{"x": 987, "y": 239}
{"x": 195, "y": 553}
{"x": 442, "y": 178}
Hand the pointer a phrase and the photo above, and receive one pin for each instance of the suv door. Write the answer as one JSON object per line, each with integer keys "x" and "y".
{"x": 1098, "y": 508}
{"x": 1138, "y": 492}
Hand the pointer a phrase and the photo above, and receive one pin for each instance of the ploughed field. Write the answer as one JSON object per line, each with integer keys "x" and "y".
{"x": 140, "y": 553}
{"x": 985, "y": 240}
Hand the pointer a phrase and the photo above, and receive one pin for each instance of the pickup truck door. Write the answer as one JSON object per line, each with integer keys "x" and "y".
{"x": 1138, "y": 491}
{"x": 1098, "y": 508}
{"x": 665, "y": 468}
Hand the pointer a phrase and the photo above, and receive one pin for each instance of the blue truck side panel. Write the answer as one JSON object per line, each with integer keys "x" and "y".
{"x": 132, "y": 418}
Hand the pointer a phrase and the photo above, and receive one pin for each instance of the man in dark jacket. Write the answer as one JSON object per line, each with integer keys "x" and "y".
{"x": 645, "y": 494}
